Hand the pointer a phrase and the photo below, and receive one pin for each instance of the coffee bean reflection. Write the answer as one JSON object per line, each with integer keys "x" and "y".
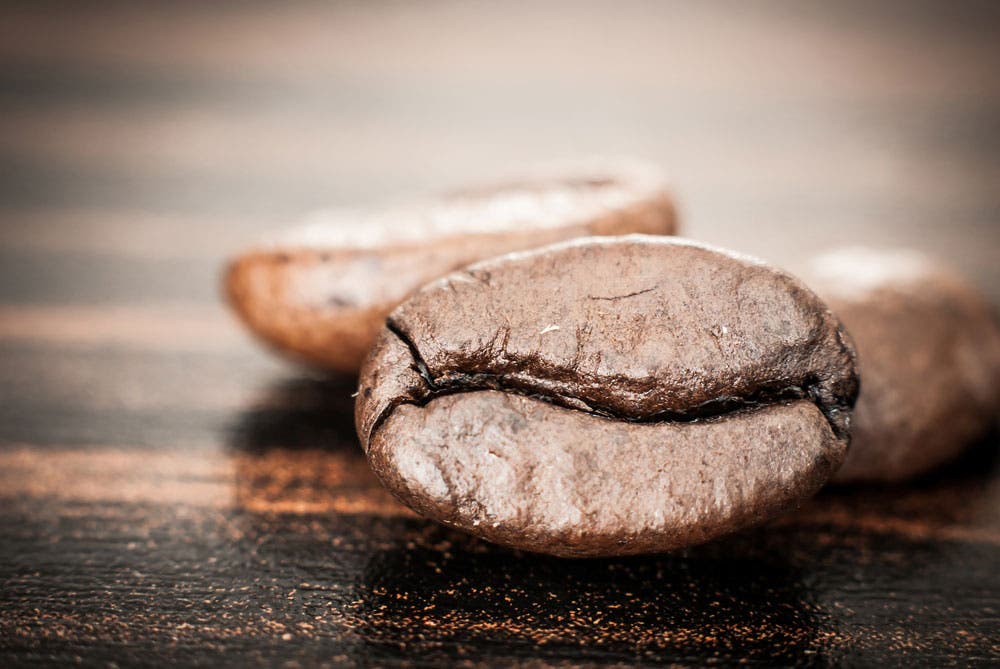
{"x": 731, "y": 600}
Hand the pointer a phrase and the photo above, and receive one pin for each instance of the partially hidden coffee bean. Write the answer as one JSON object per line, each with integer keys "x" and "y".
{"x": 320, "y": 293}
{"x": 607, "y": 396}
{"x": 928, "y": 354}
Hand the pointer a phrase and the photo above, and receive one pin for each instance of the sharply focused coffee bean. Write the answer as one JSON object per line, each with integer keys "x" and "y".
{"x": 928, "y": 354}
{"x": 320, "y": 293}
{"x": 607, "y": 396}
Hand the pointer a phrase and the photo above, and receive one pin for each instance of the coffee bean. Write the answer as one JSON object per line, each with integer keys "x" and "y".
{"x": 321, "y": 293}
{"x": 607, "y": 396}
{"x": 929, "y": 357}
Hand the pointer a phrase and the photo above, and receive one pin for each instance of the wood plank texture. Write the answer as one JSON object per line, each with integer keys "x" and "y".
{"x": 170, "y": 493}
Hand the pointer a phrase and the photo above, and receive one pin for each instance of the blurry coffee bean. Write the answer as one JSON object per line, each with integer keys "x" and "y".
{"x": 928, "y": 354}
{"x": 320, "y": 293}
{"x": 607, "y": 396}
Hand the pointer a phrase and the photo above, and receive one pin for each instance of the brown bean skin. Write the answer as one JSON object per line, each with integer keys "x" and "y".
{"x": 929, "y": 357}
{"x": 320, "y": 294}
{"x": 608, "y": 396}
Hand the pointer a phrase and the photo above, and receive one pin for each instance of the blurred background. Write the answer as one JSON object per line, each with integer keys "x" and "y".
{"x": 165, "y": 135}
{"x": 172, "y": 492}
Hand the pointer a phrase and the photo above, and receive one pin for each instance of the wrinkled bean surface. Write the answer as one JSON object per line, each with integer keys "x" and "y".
{"x": 321, "y": 292}
{"x": 608, "y": 396}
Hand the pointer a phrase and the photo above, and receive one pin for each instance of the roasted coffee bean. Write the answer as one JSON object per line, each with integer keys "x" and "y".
{"x": 607, "y": 396}
{"x": 321, "y": 293}
{"x": 928, "y": 354}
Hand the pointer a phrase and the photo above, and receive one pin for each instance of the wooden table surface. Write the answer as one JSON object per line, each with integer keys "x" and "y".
{"x": 172, "y": 493}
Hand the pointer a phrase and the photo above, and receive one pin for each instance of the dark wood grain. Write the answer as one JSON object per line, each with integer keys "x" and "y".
{"x": 169, "y": 493}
